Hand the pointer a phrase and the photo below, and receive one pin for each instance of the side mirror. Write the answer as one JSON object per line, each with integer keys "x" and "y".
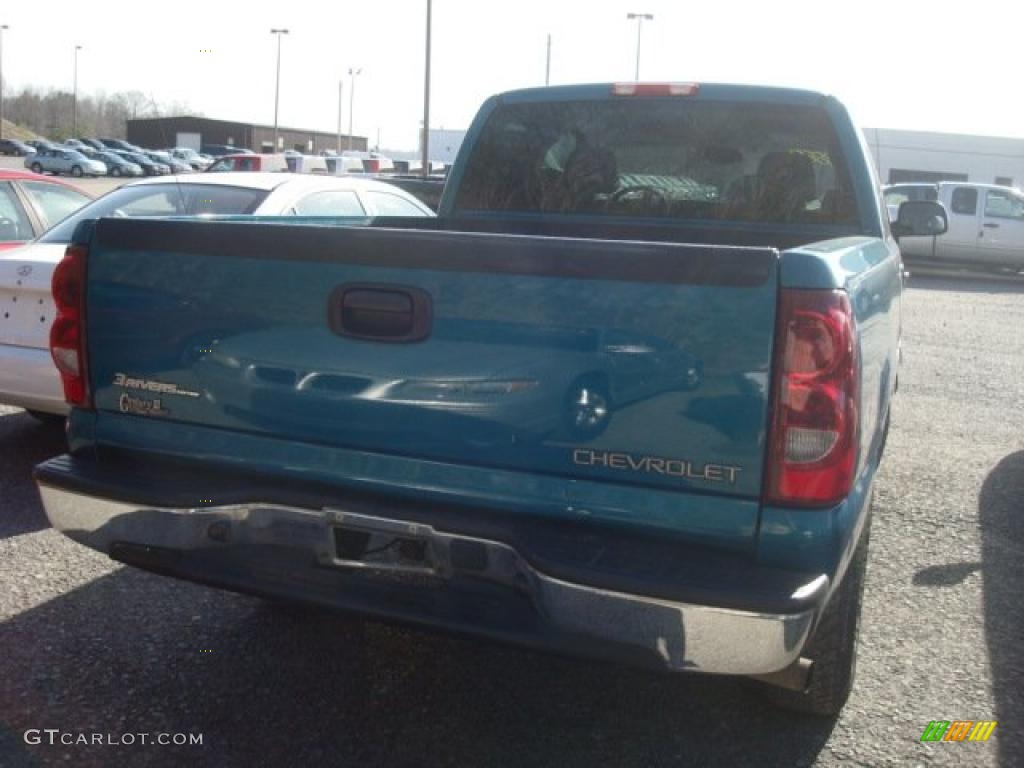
{"x": 920, "y": 218}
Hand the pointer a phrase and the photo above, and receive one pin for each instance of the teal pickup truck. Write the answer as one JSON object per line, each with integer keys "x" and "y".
{"x": 625, "y": 397}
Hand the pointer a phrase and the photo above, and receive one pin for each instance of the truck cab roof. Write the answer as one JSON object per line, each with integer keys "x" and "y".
{"x": 732, "y": 91}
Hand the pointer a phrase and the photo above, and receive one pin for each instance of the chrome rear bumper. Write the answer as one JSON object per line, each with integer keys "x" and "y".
{"x": 672, "y": 635}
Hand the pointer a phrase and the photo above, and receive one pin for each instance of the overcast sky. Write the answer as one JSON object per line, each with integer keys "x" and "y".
{"x": 895, "y": 63}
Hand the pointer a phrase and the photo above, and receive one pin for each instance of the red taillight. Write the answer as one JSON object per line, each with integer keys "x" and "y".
{"x": 67, "y": 335}
{"x": 371, "y": 165}
{"x": 812, "y": 452}
{"x": 654, "y": 89}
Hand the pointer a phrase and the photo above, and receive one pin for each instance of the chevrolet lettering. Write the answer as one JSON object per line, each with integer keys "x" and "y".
{"x": 712, "y": 473}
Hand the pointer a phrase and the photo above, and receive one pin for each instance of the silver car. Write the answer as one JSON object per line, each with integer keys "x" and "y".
{"x": 164, "y": 158}
{"x": 190, "y": 156}
{"x": 64, "y": 161}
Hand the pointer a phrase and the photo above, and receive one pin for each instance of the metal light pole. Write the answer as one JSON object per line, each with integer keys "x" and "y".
{"x": 277, "y": 85}
{"x": 425, "y": 159}
{"x": 341, "y": 91}
{"x": 2, "y": 28}
{"x": 640, "y": 19}
{"x": 352, "y": 100}
{"x": 74, "y": 110}
{"x": 547, "y": 68}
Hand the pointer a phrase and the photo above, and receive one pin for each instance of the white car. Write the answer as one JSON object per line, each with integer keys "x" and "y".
{"x": 28, "y": 377}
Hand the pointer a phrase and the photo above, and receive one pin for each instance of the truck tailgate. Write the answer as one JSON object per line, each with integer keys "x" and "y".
{"x": 626, "y": 362}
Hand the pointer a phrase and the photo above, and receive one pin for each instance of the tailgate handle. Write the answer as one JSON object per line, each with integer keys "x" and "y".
{"x": 380, "y": 312}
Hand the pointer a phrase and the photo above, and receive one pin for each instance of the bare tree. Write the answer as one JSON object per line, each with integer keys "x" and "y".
{"x": 49, "y": 113}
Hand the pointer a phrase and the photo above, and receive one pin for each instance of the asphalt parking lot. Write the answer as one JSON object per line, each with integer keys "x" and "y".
{"x": 89, "y": 646}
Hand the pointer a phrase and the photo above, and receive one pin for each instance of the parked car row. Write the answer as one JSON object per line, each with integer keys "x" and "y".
{"x": 123, "y": 159}
{"x": 177, "y": 159}
{"x": 104, "y": 156}
{"x": 297, "y": 162}
{"x": 224, "y": 157}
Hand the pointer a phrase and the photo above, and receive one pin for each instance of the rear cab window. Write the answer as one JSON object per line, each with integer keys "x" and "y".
{"x": 662, "y": 158}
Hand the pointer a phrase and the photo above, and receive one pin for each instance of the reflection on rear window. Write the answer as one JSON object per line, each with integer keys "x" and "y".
{"x": 162, "y": 200}
{"x": 661, "y": 158}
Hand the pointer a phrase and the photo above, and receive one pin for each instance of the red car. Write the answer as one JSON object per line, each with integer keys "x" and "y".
{"x": 30, "y": 204}
{"x": 249, "y": 162}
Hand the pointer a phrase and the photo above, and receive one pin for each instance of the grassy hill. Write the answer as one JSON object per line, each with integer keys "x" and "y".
{"x": 15, "y": 131}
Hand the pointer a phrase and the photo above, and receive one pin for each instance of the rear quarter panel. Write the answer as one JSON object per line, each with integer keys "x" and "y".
{"x": 868, "y": 269}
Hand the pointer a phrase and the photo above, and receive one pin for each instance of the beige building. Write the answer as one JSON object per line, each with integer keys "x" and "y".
{"x": 903, "y": 156}
{"x": 194, "y": 132}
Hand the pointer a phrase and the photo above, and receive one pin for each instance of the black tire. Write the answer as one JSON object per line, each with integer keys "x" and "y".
{"x": 833, "y": 647}
{"x": 47, "y": 418}
{"x": 37, "y": 168}
{"x": 588, "y": 407}
{"x": 76, "y": 171}
{"x": 115, "y": 171}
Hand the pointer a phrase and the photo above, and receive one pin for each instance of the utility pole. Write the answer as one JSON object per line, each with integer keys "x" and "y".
{"x": 2, "y": 28}
{"x": 547, "y": 69}
{"x": 74, "y": 116}
{"x": 341, "y": 91}
{"x": 352, "y": 100}
{"x": 640, "y": 19}
{"x": 74, "y": 107}
{"x": 277, "y": 85}
{"x": 425, "y": 159}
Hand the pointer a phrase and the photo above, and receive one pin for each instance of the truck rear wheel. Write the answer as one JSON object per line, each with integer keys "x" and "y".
{"x": 833, "y": 647}
{"x": 47, "y": 418}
